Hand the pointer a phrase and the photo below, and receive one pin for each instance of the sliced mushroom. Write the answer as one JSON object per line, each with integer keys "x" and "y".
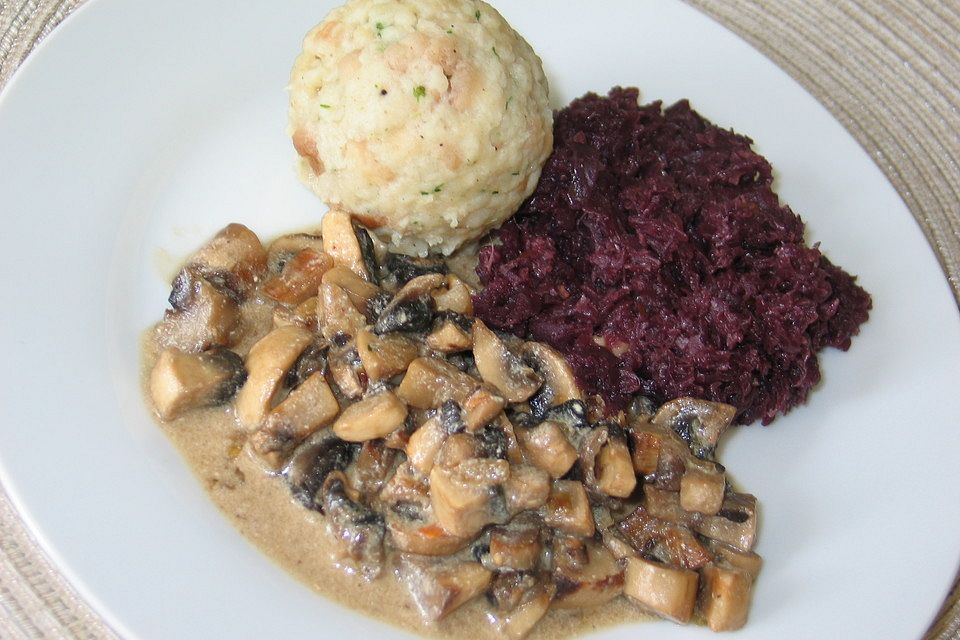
{"x": 546, "y": 446}
{"x": 309, "y": 407}
{"x": 521, "y": 600}
{"x": 429, "y": 382}
{"x": 385, "y": 356}
{"x": 660, "y": 448}
{"x": 360, "y": 291}
{"x": 373, "y": 417}
{"x": 337, "y": 314}
{"x": 666, "y": 591}
{"x": 725, "y": 594}
{"x": 300, "y": 277}
{"x": 234, "y": 253}
{"x": 203, "y": 314}
{"x": 356, "y": 529}
{"x": 181, "y": 381}
{"x": 515, "y": 546}
{"x": 311, "y": 463}
{"x": 466, "y": 497}
{"x": 700, "y": 423}
{"x": 268, "y": 362}
{"x": 454, "y": 296}
{"x": 341, "y": 241}
{"x": 528, "y": 487}
{"x": 440, "y": 587}
{"x": 559, "y": 382}
{"x": 499, "y": 367}
{"x": 568, "y": 508}
{"x": 592, "y": 583}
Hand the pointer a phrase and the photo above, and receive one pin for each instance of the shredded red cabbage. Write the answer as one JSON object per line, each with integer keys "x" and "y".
{"x": 655, "y": 255}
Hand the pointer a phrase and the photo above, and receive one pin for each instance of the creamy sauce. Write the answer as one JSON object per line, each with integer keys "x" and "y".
{"x": 260, "y": 506}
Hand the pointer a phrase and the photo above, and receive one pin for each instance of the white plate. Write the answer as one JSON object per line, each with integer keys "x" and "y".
{"x": 142, "y": 127}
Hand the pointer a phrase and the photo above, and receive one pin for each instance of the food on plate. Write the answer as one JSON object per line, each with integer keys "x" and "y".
{"x": 418, "y": 450}
{"x": 429, "y": 120}
{"x": 656, "y": 257}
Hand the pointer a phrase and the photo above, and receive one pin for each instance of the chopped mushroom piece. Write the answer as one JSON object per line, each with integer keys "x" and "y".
{"x": 340, "y": 240}
{"x": 519, "y": 620}
{"x": 449, "y": 337}
{"x": 482, "y": 406}
{"x": 429, "y": 382}
{"x": 598, "y": 580}
{"x": 559, "y": 382}
{"x": 235, "y": 253}
{"x": 701, "y": 491}
{"x": 410, "y": 519}
{"x": 281, "y": 250}
{"x": 385, "y": 356}
{"x": 359, "y": 290}
{"x": 515, "y": 546}
{"x": 668, "y": 541}
{"x": 303, "y": 315}
{"x": 373, "y": 466}
{"x": 666, "y": 591}
{"x": 527, "y": 488}
{"x": 356, "y": 529}
{"x": 735, "y": 523}
{"x": 337, "y": 314}
{"x": 203, "y": 315}
{"x": 454, "y": 296}
{"x": 568, "y": 508}
{"x": 310, "y": 406}
{"x": 300, "y": 277}
{"x": 500, "y": 367}
{"x": 424, "y": 445}
{"x": 613, "y": 469}
{"x": 439, "y": 587}
{"x": 373, "y": 417}
{"x": 725, "y": 597}
{"x": 268, "y": 362}
{"x": 182, "y": 381}
{"x": 546, "y": 446}
{"x": 346, "y": 370}
{"x": 699, "y": 422}
{"x": 311, "y": 463}
{"x": 466, "y": 498}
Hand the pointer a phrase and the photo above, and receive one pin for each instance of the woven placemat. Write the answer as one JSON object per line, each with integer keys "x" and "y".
{"x": 888, "y": 70}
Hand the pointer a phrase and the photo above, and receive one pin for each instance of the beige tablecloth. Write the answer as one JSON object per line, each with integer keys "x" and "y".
{"x": 888, "y": 70}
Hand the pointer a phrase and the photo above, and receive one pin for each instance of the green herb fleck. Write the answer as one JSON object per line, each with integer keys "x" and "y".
{"x": 507, "y": 103}
{"x": 324, "y": 106}
{"x": 495, "y": 52}
{"x": 424, "y": 193}
{"x": 515, "y": 173}
{"x": 477, "y": 15}
{"x": 449, "y": 30}
{"x": 419, "y": 91}
{"x": 437, "y": 188}
{"x": 496, "y": 193}
{"x": 380, "y": 27}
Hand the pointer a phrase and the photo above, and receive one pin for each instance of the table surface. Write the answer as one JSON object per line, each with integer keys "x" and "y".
{"x": 873, "y": 63}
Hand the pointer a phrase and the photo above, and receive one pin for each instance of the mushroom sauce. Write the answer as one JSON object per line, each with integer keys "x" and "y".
{"x": 344, "y": 409}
